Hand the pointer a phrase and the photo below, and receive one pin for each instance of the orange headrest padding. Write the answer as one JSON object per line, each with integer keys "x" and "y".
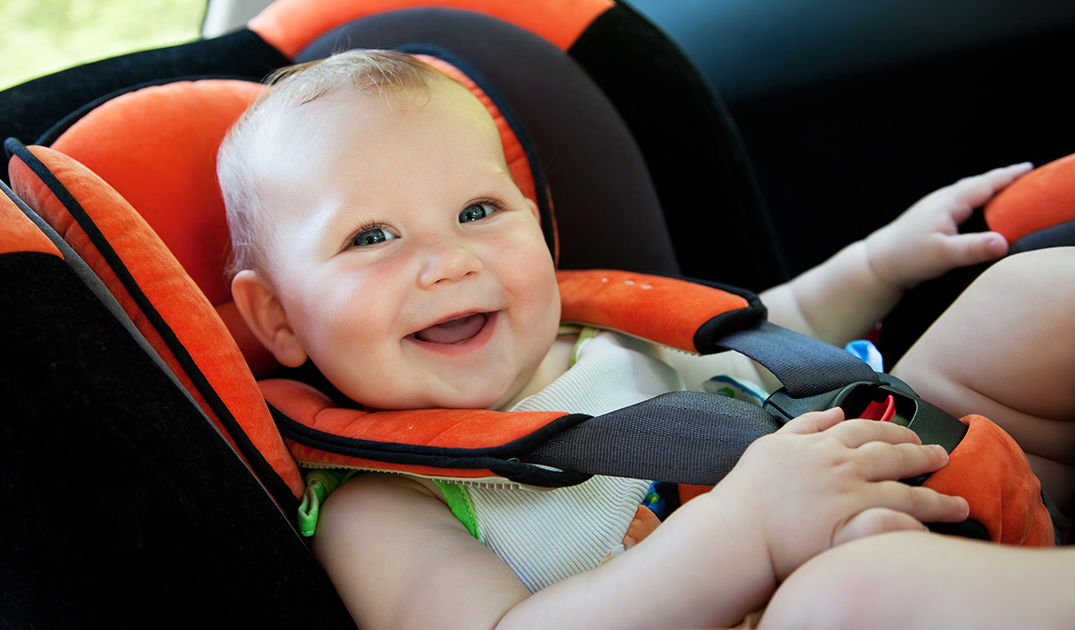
{"x": 291, "y": 25}
{"x": 1040, "y": 199}
{"x": 157, "y": 148}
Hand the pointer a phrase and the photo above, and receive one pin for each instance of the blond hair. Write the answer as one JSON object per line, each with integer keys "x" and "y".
{"x": 241, "y": 166}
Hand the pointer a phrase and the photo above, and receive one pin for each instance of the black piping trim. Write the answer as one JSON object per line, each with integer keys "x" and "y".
{"x": 501, "y": 459}
{"x": 255, "y": 461}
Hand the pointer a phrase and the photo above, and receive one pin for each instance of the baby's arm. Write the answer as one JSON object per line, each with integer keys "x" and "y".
{"x": 843, "y": 298}
{"x": 400, "y": 559}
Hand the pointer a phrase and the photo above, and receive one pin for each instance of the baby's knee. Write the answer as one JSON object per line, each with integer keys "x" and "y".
{"x": 1007, "y": 338}
{"x": 834, "y": 590}
{"x": 854, "y": 585}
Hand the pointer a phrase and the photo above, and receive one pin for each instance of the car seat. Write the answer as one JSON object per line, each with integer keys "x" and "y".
{"x": 217, "y": 552}
{"x": 172, "y": 516}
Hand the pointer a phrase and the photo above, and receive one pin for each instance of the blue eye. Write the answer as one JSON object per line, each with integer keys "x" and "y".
{"x": 372, "y": 236}
{"x": 476, "y": 212}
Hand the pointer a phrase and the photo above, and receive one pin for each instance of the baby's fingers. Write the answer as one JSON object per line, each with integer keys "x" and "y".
{"x": 814, "y": 422}
{"x": 978, "y": 189}
{"x": 876, "y": 521}
{"x": 962, "y": 250}
{"x": 855, "y": 433}
{"x": 884, "y": 461}
{"x": 924, "y": 504}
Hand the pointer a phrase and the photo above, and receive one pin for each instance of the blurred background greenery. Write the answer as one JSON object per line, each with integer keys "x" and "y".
{"x": 43, "y": 36}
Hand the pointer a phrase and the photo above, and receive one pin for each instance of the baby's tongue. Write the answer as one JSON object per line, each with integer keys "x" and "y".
{"x": 455, "y": 331}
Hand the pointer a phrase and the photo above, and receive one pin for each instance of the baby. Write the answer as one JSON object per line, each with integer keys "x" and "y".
{"x": 378, "y": 233}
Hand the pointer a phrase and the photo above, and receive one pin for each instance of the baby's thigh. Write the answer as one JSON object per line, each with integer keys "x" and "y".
{"x": 1006, "y": 349}
{"x": 920, "y": 580}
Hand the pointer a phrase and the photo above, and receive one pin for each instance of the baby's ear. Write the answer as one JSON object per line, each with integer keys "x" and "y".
{"x": 266, "y": 318}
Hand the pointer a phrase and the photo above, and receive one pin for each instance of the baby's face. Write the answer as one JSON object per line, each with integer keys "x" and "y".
{"x": 411, "y": 269}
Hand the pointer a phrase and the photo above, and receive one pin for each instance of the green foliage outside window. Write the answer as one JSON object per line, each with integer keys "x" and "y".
{"x": 43, "y": 36}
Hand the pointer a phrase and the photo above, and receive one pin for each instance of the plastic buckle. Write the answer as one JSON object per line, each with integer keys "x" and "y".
{"x": 890, "y": 399}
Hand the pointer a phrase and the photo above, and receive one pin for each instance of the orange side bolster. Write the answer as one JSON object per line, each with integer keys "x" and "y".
{"x": 1040, "y": 199}
{"x": 665, "y": 310}
{"x": 992, "y": 473}
{"x": 291, "y": 25}
{"x": 18, "y": 233}
{"x": 444, "y": 428}
{"x": 164, "y": 164}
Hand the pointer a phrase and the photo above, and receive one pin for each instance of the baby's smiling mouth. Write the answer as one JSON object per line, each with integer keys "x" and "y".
{"x": 455, "y": 331}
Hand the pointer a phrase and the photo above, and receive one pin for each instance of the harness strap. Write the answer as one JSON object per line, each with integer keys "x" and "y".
{"x": 804, "y": 365}
{"x": 680, "y": 437}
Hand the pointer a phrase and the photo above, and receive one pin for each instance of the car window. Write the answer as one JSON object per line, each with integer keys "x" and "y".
{"x": 44, "y": 36}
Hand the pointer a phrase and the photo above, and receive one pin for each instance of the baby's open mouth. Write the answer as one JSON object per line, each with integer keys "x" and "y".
{"x": 453, "y": 331}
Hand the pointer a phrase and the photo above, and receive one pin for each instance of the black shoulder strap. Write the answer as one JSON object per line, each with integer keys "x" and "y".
{"x": 804, "y": 365}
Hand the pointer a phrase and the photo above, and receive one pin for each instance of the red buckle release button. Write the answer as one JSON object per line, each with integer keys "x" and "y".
{"x": 884, "y": 411}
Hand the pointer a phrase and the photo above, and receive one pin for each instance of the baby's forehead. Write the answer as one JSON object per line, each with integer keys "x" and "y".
{"x": 299, "y": 133}
{"x": 337, "y": 105}
{"x": 304, "y": 131}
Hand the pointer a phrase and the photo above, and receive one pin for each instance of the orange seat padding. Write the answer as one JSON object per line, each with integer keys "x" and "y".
{"x": 1040, "y": 199}
{"x": 291, "y": 25}
{"x": 19, "y": 234}
{"x": 666, "y": 310}
{"x": 1003, "y": 498}
{"x": 157, "y": 148}
{"x": 443, "y": 428}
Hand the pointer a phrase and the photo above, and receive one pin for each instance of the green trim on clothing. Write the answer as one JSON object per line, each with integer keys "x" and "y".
{"x": 585, "y": 335}
{"x": 459, "y": 502}
{"x": 319, "y": 484}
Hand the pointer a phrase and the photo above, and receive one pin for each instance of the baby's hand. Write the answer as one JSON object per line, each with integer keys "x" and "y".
{"x": 924, "y": 242}
{"x": 820, "y": 481}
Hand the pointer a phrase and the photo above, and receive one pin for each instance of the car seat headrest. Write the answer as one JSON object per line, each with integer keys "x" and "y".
{"x": 291, "y": 25}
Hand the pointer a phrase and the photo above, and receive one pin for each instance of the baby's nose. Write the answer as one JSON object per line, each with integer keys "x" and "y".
{"x": 449, "y": 262}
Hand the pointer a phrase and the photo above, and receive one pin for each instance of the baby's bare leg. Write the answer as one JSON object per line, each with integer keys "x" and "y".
{"x": 924, "y": 580}
{"x": 1006, "y": 349}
